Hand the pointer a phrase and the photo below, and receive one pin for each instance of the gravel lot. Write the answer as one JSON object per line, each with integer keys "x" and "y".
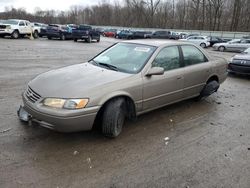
{"x": 209, "y": 141}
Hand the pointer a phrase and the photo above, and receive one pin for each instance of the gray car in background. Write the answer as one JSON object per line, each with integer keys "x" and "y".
{"x": 235, "y": 45}
{"x": 127, "y": 79}
{"x": 240, "y": 63}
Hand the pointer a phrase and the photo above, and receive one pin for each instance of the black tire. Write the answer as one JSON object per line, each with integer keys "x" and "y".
{"x": 35, "y": 34}
{"x": 89, "y": 39}
{"x": 62, "y": 37}
{"x": 49, "y": 38}
{"x": 221, "y": 48}
{"x": 15, "y": 34}
{"x": 75, "y": 40}
{"x": 98, "y": 40}
{"x": 114, "y": 117}
{"x": 203, "y": 45}
{"x": 211, "y": 87}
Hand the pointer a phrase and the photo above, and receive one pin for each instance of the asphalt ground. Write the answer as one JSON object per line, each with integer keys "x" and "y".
{"x": 208, "y": 146}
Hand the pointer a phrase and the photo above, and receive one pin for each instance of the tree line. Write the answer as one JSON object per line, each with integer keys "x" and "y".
{"x": 220, "y": 15}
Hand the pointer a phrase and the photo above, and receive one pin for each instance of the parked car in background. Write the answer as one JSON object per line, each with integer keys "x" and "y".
{"x": 214, "y": 40}
{"x": 128, "y": 79}
{"x": 61, "y": 32}
{"x": 100, "y": 30}
{"x": 161, "y": 35}
{"x": 182, "y": 35}
{"x": 125, "y": 34}
{"x": 192, "y": 35}
{"x": 236, "y": 45}
{"x": 240, "y": 63}
{"x": 109, "y": 32}
{"x": 141, "y": 34}
{"x": 39, "y": 26}
{"x": 174, "y": 36}
{"x": 17, "y": 28}
{"x": 85, "y": 32}
{"x": 198, "y": 40}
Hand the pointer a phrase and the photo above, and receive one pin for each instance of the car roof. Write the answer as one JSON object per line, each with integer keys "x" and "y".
{"x": 18, "y": 20}
{"x": 156, "y": 43}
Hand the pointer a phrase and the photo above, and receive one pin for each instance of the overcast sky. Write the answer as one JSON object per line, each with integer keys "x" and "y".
{"x": 30, "y": 5}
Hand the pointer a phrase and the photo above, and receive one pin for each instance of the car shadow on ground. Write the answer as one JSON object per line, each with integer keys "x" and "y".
{"x": 241, "y": 76}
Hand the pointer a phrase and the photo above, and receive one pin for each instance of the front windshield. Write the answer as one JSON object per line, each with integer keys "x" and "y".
{"x": 126, "y": 57}
{"x": 247, "y": 51}
{"x": 11, "y": 22}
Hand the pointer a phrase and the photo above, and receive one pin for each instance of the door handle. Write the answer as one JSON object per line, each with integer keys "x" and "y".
{"x": 178, "y": 78}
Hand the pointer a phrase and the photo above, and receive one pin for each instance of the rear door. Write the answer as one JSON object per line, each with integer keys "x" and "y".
{"x": 159, "y": 90}
{"x": 196, "y": 72}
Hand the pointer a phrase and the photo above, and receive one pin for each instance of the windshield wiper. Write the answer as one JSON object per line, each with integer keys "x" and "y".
{"x": 111, "y": 67}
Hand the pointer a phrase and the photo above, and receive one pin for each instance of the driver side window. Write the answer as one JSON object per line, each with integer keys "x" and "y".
{"x": 21, "y": 23}
{"x": 168, "y": 58}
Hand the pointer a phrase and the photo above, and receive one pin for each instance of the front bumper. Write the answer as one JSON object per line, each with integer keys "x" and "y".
{"x": 80, "y": 36}
{"x": 71, "y": 121}
{"x": 6, "y": 31}
{"x": 238, "y": 69}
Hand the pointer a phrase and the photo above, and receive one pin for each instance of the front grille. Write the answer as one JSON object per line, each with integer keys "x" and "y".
{"x": 241, "y": 62}
{"x": 32, "y": 95}
{"x": 2, "y": 26}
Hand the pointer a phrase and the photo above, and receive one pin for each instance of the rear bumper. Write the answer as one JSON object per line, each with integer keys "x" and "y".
{"x": 70, "y": 122}
{"x": 238, "y": 69}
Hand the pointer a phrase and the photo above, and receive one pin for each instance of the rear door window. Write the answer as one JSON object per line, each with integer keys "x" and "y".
{"x": 192, "y": 55}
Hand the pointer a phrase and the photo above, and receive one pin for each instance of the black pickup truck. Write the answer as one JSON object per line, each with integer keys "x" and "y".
{"x": 85, "y": 32}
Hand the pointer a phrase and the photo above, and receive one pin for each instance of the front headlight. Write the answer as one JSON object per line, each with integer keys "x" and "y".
{"x": 65, "y": 103}
{"x": 8, "y": 27}
{"x": 231, "y": 60}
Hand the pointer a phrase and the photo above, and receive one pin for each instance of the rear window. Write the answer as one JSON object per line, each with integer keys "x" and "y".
{"x": 192, "y": 55}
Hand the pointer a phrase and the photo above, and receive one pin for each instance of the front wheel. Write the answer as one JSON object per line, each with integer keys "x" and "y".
{"x": 89, "y": 39}
{"x": 98, "y": 40}
{"x": 221, "y": 48}
{"x": 15, "y": 34}
{"x": 113, "y": 118}
{"x": 203, "y": 45}
{"x": 75, "y": 40}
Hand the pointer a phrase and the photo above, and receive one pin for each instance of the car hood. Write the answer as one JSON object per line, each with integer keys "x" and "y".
{"x": 242, "y": 56}
{"x": 74, "y": 81}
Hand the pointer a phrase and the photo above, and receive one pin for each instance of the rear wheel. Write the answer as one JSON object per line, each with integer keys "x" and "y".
{"x": 210, "y": 87}
{"x": 62, "y": 37}
{"x": 75, "y": 40}
{"x": 98, "y": 40}
{"x": 114, "y": 117}
{"x": 15, "y": 34}
{"x": 49, "y": 38}
{"x": 35, "y": 34}
{"x": 203, "y": 45}
{"x": 221, "y": 48}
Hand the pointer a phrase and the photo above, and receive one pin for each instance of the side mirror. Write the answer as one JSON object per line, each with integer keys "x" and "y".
{"x": 155, "y": 71}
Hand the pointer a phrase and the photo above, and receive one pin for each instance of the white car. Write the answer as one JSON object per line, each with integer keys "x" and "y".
{"x": 198, "y": 40}
{"x": 16, "y": 28}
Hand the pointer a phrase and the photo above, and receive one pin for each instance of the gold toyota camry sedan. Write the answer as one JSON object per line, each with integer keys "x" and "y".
{"x": 125, "y": 80}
